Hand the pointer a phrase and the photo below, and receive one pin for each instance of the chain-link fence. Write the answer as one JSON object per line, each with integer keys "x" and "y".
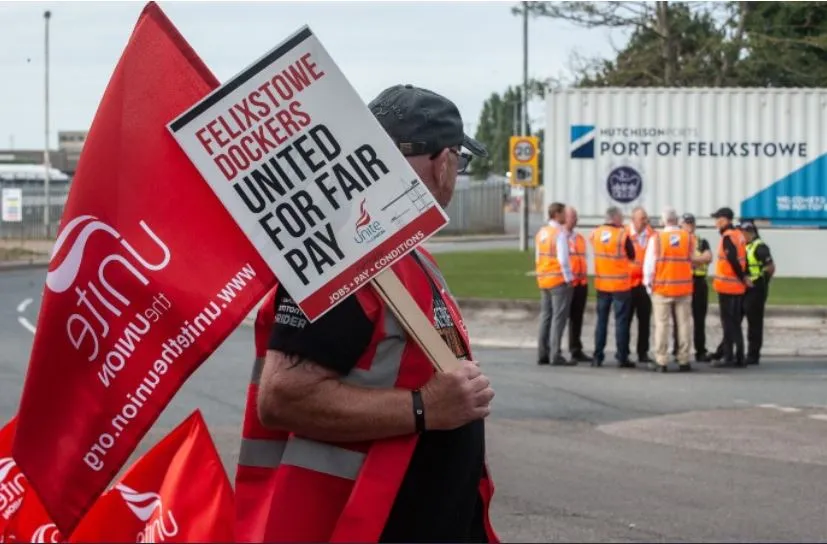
{"x": 478, "y": 207}
{"x": 32, "y": 226}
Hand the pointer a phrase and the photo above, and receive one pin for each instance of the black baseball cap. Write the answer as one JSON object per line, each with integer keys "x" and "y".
{"x": 422, "y": 122}
{"x": 748, "y": 225}
{"x": 726, "y": 213}
{"x": 688, "y": 218}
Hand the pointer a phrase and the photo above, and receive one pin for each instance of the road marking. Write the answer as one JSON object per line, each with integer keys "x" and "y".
{"x": 785, "y": 409}
{"x": 25, "y": 322}
{"x": 819, "y": 417}
{"x": 23, "y": 305}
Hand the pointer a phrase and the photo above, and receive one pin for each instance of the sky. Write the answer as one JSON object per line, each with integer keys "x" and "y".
{"x": 463, "y": 50}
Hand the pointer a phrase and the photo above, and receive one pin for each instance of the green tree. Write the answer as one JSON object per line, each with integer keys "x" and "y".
{"x": 499, "y": 120}
{"x": 688, "y": 44}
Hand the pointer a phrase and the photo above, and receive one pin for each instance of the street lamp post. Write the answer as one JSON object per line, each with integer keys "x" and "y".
{"x": 524, "y": 132}
{"x": 46, "y": 162}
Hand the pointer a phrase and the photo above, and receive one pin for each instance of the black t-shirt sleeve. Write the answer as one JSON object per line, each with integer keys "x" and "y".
{"x": 732, "y": 257}
{"x": 336, "y": 340}
{"x": 630, "y": 249}
{"x": 704, "y": 246}
{"x": 762, "y": 253}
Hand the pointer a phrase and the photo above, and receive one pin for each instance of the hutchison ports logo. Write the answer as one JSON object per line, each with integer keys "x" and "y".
{"x": 367, "y": 230}
{"x": 148, "y": 507}
{"x": 582, "y": 141}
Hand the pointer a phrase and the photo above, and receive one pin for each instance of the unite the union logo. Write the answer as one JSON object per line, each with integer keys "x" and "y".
{"x": 367, "y": 229}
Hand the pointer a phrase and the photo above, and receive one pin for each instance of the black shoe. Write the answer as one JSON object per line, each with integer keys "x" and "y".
{"x": 702, "y": 358}
{"x": 559, "y": 360}
{"x": 626, "y": 364}
{"x": 543, "y": 361}
{"x": 726, "y": 363}
{"x": 581, "y": 357}
{"x": 654, "y": 367}
{"x": 597, "y": 362}
{"x": 717, "y": 356}
{"x": 752, "y": 361}
{"x": 685, "y": 368}
{"x": 644, "y": 358}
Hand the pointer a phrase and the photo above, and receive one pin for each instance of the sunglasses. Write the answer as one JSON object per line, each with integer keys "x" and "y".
{"x": 463, "y": 159}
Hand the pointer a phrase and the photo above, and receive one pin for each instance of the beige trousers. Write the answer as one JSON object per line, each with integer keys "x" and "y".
{"x": 662, "y": 309}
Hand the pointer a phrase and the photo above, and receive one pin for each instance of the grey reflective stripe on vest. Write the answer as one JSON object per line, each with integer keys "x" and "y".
{"x": 258, "y": 366}
{"x": 324, "y": 458}
{"x": 261, "y": 453}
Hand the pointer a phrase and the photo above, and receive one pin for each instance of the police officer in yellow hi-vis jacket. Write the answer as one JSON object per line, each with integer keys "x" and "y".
{"x": 760, "y": 268}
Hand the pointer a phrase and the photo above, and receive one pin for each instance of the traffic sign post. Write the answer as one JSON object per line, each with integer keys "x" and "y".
{"x": 523, "y": 162}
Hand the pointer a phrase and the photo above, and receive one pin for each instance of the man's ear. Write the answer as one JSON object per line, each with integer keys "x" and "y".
{"x": 440, "y": 166}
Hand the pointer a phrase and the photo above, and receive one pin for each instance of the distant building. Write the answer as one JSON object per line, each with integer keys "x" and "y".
{"x": 64, "y": 158}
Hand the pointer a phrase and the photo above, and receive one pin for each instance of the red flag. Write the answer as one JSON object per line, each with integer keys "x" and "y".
{"x": 13, "y": 484}
{"x": 148, "y": 276}
{"x": 176, "y": 492}
{"x": 32, "y": 523}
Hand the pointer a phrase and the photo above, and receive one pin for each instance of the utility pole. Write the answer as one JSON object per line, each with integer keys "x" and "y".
{"x": 524, "y": 132}
{"x": 46, "y": 162}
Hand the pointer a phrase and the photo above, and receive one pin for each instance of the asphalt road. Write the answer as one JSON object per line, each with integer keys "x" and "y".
{"x": 578, "y": 454}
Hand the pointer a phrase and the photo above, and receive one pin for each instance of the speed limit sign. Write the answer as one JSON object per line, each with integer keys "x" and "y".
{"x": 523, "y": 161}
{"x": 524, "y": 151}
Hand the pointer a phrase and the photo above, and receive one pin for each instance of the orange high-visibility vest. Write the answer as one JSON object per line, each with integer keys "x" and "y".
{"x": 577, "y": 258}
{"x": 343, "y": 492}
{"x": 726, "y": 282}
{"x": 641, "y": 240}
{"x": 673, "y": 265}
{"x": 548, "y": 269}
{"x": 611, "y": 265}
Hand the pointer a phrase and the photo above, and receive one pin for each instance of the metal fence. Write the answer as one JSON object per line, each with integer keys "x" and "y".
{"x": 34, "y": 204}
{"x": 477, "y": 208}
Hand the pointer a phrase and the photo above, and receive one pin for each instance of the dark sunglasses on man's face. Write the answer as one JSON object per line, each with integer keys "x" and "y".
{"x": 463, "y": 159}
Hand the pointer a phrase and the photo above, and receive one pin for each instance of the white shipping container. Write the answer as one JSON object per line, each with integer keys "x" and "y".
{"x": 761, "y": 152}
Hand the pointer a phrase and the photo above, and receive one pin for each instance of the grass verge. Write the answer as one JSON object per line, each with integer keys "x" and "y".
{"x": 501, "y": 274}
{"x": 8, "y": 254}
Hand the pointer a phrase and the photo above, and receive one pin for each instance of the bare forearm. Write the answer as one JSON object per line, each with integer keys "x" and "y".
{"x": 336, "y": 412}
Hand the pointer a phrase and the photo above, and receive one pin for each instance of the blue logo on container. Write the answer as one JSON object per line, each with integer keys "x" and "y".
{"x": 582, "y": 141}
{"x": 624, "y": 184}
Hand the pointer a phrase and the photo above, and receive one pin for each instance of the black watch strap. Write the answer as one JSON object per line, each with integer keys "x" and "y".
{"x": 418, "y": 410}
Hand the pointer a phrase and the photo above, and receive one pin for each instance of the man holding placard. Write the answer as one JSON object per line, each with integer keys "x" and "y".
{"x": 354, "y": 376}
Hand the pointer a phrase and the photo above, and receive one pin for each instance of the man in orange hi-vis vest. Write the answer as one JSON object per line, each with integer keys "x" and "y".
{"x": 556, "y": 281}
{"x": 640, "y": 232}
{"x": 580, "y": 293}
{"x": 381, "y": 448}
{"x": 667, "y": 276}
{"x": 613, "y": 253}
{"x": 730, "y": 282}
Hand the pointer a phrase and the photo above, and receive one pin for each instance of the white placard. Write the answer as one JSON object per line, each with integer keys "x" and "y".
{"x": 308, "y": 173}
{"x": 12, "y": 205}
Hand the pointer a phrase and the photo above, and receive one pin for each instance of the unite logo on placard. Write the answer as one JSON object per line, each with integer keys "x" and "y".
{"x": 149, "y": 508}
{"x": 367, "y": 230}
{"x": 12, "y": 487}
{"x": 106, "y": 325}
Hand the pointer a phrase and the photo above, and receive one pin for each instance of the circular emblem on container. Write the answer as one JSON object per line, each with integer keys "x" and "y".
{"x": 624, "y": 184}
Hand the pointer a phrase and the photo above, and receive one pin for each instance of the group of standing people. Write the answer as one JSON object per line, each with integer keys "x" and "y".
{"x": 647, "y": 275}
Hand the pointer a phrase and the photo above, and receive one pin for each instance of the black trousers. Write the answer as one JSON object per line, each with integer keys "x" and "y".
{"x": 700, "y": 302}
{"x": 576, "y": 311}
{"x": 755, "y": 300}
{"x": 641, "y": 308}
{"x": 731, "y": 311}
